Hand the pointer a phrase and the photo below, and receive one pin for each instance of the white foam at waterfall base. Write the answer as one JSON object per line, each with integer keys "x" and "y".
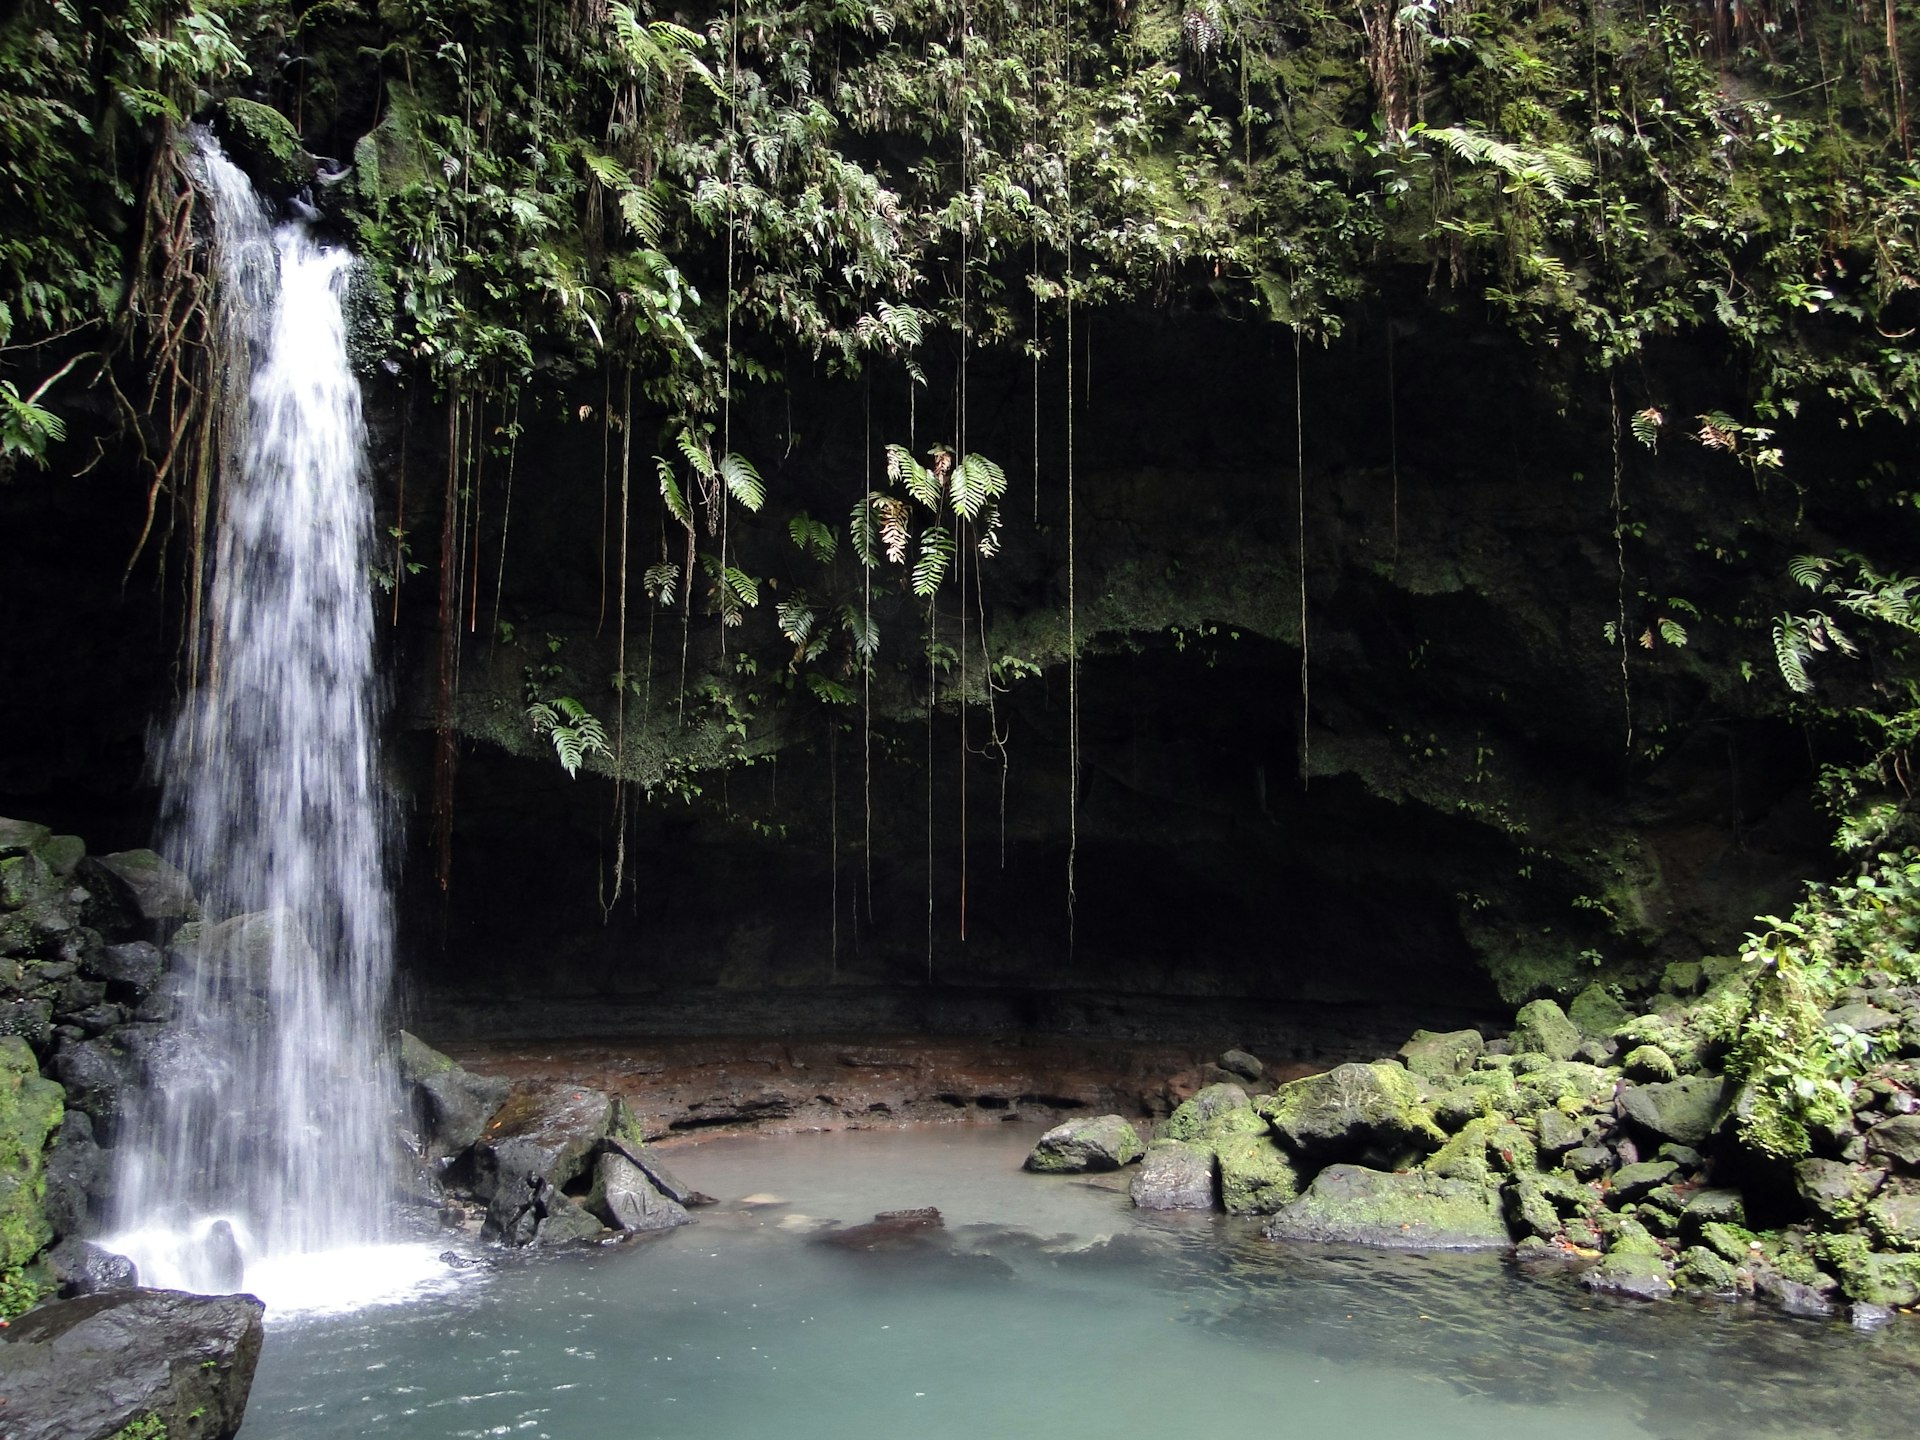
{"x": 294, "y": 1285}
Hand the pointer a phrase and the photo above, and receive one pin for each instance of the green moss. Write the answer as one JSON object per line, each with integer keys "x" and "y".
{"x": 1256, "y": 1177}
{"x": 30, "y": 1111}
{"x": 146, "y": 1427}
{"x": 264, "y": 141}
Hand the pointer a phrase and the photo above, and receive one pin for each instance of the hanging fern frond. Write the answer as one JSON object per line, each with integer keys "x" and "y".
{"x": 661, "y": 48}
{"x": 743, "y": 585}
{"x": 977, "y": 482}
{"x": 670, "y": 492}
{"x": 697, "y": 454}
{"x": 795, "y": 618}
{"x": 894, "y": 522}
{"x": 989, "y": 528}
{"x": 812, "y": 537}
{"x": 1646, "y": 427}
{"x": 662, "y": 581}
{"x": 743, "y": 481}
{"x": 936, "y": 553}
{"x": 1809, "y": 570}
{"x": 574, "y": 732}
{"x": 1673, "y": 632}
{"x": 863, "y": 532}
{"x": 1791, "y": 653}
{"x": 908, "y": 472}
{"x": 863, "y": 628}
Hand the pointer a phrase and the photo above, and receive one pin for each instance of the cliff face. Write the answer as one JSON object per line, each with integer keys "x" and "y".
{"x": 1343, "y": 491}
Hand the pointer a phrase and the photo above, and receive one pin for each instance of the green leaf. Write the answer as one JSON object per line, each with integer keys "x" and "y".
{"x": 904, "y": 470}
{"x": 743, "y": 481}
{"x": 977, "y": 482}
{"x": 670, "y": 492}
{"x": 936, "y": 552}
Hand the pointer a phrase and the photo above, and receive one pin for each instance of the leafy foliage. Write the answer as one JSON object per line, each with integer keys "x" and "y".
{"x": 574, "y": 732}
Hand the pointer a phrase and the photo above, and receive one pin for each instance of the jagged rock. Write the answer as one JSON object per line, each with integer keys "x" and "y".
{"x": 1256, "y": 1177}
{"x": 30, "y": 1110}
{"x": 1631, "y": 1274}
{"x": 453, "y": 1104}
{"x": 1542, "y": 1028}
{"x": 77, "y": 1174}
{"x": 1192, "y": 1118}
{"x": 1103, "y": 1142}
{"x": 1351, "y": 1112}
{"x": 1408, "y": 1211}
{"x": 626, "y": 1199}
{"x": 1686, "y": 1110}
{"x": 1836, "y": 1192}
{"x": 150, "y": 890}
{"x": 87, "y": 1369}
{"x": 625, "y": 1141}
{"x": 1898, "y": 1139}
{"x": 131, "y": 971}
{"x": 26, "y": 881}
{"x": 80, "y": 1268}
{"x": 550, "y": 1133}
{"x": 567, "y": 1222}
{"x": 1631, "y": 1182}
{"x": 96, "y": 1074}
{"x": 1439, "y": 1054}
{"x": 1896, "y": 1221}
{"x": 526, "y": 1210}
{"x": 1247, "y": 1067}
{"x": 1174, "y": 1176}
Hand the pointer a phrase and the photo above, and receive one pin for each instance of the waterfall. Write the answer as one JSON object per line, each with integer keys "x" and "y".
{"x": 264, "y": 1135}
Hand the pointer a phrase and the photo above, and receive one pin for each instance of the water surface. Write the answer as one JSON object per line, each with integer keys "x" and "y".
{"x": 1047, "y": 1308}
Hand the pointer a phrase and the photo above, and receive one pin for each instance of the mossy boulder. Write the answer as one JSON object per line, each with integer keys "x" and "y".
{"x": 1486, "y": 1148}
{"x": 1192, "y": 1117}
{"x": 1835, "y": 1191}
{"x": 1102, "y": 1142}
{"x": 1256, "y": 1176}
{"x": 1353, "y": 1111}
{"x": 21, "y": 837}
{"x": 1630, "y": 1274}
{"x": 1407, "y": 1211}
{"x": 1898, "y": 1139}
{"x": 1649, "y": 1063}
{"x": 1569, "y": 1086}
{"x": 1542, "y": 1028}
{"x": 451, "y": 1104}
{"x": 30, "y": 1111}
{"x": 1596, "y": 1014}
{"x": 1439, "y": 1054}
{"x": 1867, "y": 1274}
{"x": 263, "y": 142}
{"x": 1896, "y": 1221}
{"x": 151, "y": 890}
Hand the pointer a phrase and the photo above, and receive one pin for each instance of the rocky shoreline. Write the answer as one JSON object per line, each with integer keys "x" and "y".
{"x": 1609, "y": 1142}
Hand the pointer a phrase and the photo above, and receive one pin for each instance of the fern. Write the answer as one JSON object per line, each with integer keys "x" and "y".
{"x": 743, "y": 481}
{"x": 1554, "y": 168}
{"x": 697, "y": 455}
{"x": 1646, "y": 427}
{"x": 796, "y": 620}
{"x": 661, "y": 581}
{"x": 811, "y": 537}
{"x": 670, "y": 492}
{"x": 919, "y": 482}
{"x": 893, "y": 526}
{"x": 1790, "y": 653}
{"x": 574, "y": 732}
{"x": 977, "y": 482}
{"x": 1673, "y": 632}
{"x": 1809, "y": 570}
{"x": 863, "y": 533}
{"x": 936, "y": 553}
{"x": 744, "y": 586}
{"x": 864, "y": 630}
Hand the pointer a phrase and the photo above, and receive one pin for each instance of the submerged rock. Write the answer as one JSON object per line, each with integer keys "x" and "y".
{"x": 1408, "y": 1211}
{"x": 1174, "y": 1176}
{"x": 890, "y": 1229}
{"x": 1632, "y": 1274}
{"x": 87, "y": 1369}
{"x": 1103, "y": 1142}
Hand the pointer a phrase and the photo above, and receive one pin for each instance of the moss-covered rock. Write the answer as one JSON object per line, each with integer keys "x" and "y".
{"x": 1649, "y": 1063}
{"x": 1866, "y": 1274}
{"x": 1895, "y": 1220}
{"x": 1570, "y": 1086}
{"x": 1439, "y": 1054}
{"x": 1702, "y": 1270}
{"x": 1542, "y": 1028}
{"x": 1101, "y": 1142}
{"x": 1836, "y": 1192}
{"x": 1256, "y": 1176}
{"x": 1596, "y": 1013}
{"x": 1175, "y": 1175}
{"x": 1407, "y": 1211}
{"x": 1630, "y": 1274}
{"x": 1486, "y": 1149}
{"x": 1191, "y": 1117}
{"x": 1351, "y": 1111}
{"x": 30, "y": 1111}
{"x": 263, "y": 142}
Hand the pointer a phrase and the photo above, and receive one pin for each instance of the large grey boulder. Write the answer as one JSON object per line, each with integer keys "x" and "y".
{"x": 1686, "y": 1110}
{"x": 1103, "y": 1142}
{"x": 549, "y": 1133}
{"x": 1542, "y": 1028}
{"x": 626, "y": 1199}
{"x": 1174, "y": 1176}
{"x": 1898, "y": 1139}
{"x": 1191, "y": 1119}
{"x": 87, "y": 1369}
{"x": 1407, "y": 1211}
{"x": 452, "y": 1103}
{"x": 150, "y": 890}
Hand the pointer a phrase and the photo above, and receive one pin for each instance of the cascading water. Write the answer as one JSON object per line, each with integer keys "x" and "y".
{"x": 270, "y": 1101}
